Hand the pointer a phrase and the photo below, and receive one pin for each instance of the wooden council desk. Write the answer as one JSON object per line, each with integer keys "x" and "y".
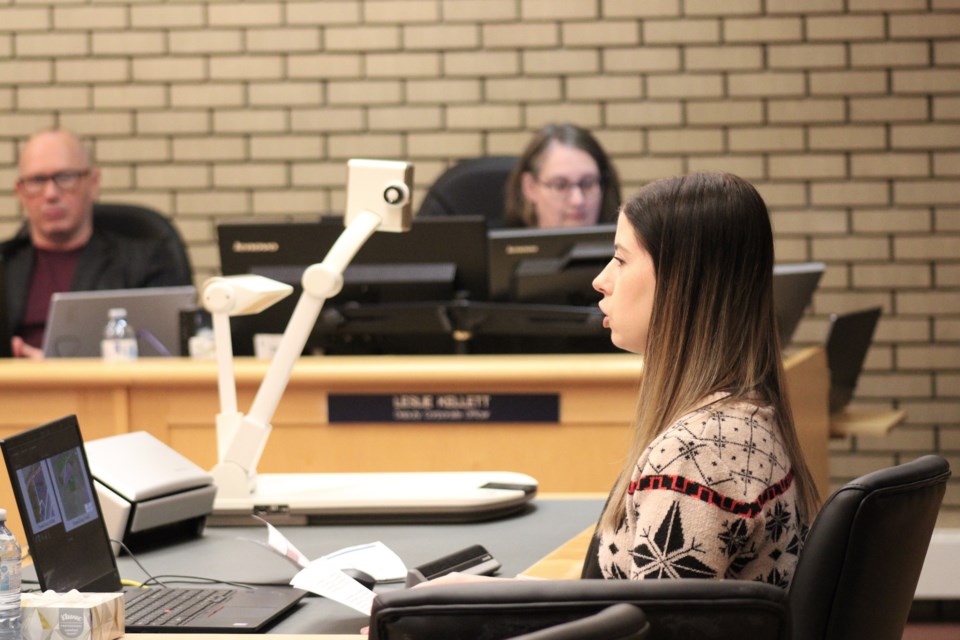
{"x": 176, "y": 401}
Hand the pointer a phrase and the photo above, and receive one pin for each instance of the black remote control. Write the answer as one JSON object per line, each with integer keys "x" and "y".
{"x": 474, "y": 559}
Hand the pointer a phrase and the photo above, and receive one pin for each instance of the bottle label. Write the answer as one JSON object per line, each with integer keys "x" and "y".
{"x": 119, "y": 349}
{"x": 9, "y": 575}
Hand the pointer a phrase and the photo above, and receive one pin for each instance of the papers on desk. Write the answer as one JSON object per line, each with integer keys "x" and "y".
{"x": 279, "y": 543}
{"x": 325, "y": 577}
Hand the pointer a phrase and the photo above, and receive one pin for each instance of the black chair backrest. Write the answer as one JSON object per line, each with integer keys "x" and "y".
{"x": 475, "y": 186}
{"x": 859, "y": 567}
{"x": 617, "y": 622}
{"x": 675, "y": 609}
{"x": 142, "y": 222}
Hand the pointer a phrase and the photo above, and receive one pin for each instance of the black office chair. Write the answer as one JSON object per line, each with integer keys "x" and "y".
{"x": 142, "y": 222}
{"x": 862, "y": 559}
{"x": 675, "y": 609}
{"x": 616, "y": 622}
{"x": 475, "y": 186}
{"x": 855, "y": 580}
{"x": 137, "y": 221}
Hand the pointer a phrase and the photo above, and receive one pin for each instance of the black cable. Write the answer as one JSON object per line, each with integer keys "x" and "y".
{"x": 134, "y": 558}
{"x": 179, "y": 579}
{"x": 157, "y": 580}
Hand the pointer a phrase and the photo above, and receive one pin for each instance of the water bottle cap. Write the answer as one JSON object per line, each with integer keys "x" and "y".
{"x": 117, "y": 312}
{"x": 3, "y": 515}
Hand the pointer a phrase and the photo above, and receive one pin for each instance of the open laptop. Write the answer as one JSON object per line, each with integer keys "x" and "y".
{"x": 76, "y": 319}
{"x": 70, "y": 548}
{"x": 848, "y": 341}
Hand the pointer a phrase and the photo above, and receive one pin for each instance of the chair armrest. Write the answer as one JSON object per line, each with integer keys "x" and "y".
{"x": 620, "y": 621}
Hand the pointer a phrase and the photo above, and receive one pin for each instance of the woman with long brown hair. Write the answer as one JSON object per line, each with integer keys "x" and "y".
{"x": 715, "y": 484}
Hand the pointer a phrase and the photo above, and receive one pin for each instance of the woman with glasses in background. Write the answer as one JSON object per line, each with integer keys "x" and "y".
{"x": 563, "y": 179}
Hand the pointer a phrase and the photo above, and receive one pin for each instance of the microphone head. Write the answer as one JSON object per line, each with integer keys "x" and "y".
{"x": 382, "y": 187}
{"x": 242, "y": 294}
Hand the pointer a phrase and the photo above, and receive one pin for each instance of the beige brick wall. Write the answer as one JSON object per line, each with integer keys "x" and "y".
{"x": 845, "y": 114}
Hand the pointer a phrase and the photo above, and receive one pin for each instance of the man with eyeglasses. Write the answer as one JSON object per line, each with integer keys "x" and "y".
{"x": 60, "y": 249}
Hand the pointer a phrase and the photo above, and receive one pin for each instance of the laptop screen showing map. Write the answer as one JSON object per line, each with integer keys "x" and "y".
{"x": 70, "y": 547}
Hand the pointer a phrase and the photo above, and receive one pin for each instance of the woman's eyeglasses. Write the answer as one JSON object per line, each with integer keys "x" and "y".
{"x": 64, "y": 181}
{"x": 563, "y": 188}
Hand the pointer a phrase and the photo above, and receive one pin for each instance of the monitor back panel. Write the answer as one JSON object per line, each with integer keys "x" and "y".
{"x": 553, "y": 266}
{"x": 793, "y": 287}
{"x": 848, "y": 342}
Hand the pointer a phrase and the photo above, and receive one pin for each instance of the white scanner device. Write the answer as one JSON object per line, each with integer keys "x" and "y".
{"x": 148, "y": 492}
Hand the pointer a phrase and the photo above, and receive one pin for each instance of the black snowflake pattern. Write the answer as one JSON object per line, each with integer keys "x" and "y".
{"x": 734, "y": 536}
{"x": 795, "y": 545}
{"x": 614, "y": 572}
{"x": 778, "y": 521}
{"x": 777, "y": 578}
{"x": 667, "y": 554}
{"x": 741, "y": 562}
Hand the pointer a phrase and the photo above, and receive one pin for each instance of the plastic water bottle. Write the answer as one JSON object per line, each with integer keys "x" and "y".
{"x": 119, "y": 338}
{"x": 9, "y": 582}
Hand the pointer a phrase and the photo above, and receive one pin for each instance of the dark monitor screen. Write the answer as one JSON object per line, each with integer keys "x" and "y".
{"x": 548, "y": 266}
{"x": 548, "y": 275}
{"x": 386, "y": 304}
{"x": 847, "y": 344}
{"x": 793, "y": 287}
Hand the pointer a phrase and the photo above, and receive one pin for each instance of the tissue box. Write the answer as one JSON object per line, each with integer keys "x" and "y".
{"x": 72, "y": 616}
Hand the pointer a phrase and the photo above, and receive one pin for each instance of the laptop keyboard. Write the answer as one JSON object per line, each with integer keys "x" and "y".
{"x": 170, "y": 607}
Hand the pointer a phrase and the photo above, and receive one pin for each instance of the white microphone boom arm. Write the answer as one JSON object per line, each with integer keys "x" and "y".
{"x": 241, "y": 439}
{"x": 320, "y": 282}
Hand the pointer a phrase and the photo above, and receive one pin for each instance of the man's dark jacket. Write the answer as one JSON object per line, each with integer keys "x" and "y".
{"x": 108, "y": 261}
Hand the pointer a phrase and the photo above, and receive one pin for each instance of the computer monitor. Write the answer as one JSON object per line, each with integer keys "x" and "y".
{"x": 848, "y": 341}
{"x": 542, "y": 280}
{"x": 793, "y": 287}
{"x": 395, "y": 290}
{"x": 548, "y": 266}
{"x": 558, "y": 266}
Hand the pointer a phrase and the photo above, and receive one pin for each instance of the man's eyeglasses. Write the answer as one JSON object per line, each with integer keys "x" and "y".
{"x": 64, "y": 181}
{"x": 561, "y": 187}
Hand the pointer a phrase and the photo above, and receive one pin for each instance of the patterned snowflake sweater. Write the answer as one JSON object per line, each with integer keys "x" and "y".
{"x": 711, "y": 497}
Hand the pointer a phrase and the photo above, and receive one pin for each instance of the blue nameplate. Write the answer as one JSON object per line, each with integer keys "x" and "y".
{"x": 443, "y": 407}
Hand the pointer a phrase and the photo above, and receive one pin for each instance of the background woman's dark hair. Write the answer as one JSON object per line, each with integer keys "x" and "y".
{"x": 519, "y": 213}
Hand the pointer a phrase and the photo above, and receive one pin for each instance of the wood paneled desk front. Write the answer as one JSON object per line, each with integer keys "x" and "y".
{"x": 176, "y": 400}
